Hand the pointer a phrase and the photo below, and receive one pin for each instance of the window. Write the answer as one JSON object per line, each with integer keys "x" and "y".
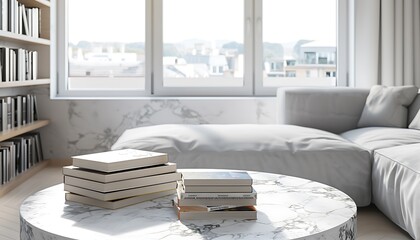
{"x": 299, "y": 33}
{"x": 98, "y": 57}
{"x": 134, "y": 48}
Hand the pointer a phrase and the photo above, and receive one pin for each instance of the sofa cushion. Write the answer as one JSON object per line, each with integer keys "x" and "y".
{"x": 286, "y": 149}
{"x": 387, "y": 106}
{"x": 333, "y": 109}
{"x": 414, "y": 108}
{"x": 396, "y": 185}
{"x": 415, "y": 124}
{"x": 372, "y": 138}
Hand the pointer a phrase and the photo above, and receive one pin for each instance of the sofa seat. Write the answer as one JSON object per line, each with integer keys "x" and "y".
{"x": 373, "y": 138}
{"x": 396, "y": 185}
{"x": 285, "y": 149}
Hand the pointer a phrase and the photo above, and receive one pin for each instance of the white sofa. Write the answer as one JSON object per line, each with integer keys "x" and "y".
{"x": 317, "y": 138}
{"x": 395, "y": 151}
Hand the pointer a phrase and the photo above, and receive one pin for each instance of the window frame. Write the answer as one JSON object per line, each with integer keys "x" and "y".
{"x": 60, "y": 48}
{"x": 253, "y": 78}
{"x": 158, "y": 82}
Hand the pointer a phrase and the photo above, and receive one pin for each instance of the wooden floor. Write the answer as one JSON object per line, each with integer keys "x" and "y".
{"x": 372, "y": 224}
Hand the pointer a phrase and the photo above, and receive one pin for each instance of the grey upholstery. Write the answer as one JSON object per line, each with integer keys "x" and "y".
{"x": 414, "y": 108}
{"x": 332, "y": 109}
{"x": 293, "y": 150}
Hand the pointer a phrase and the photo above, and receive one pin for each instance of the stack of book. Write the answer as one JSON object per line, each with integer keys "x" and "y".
{"x": 215, "y": 195}
{"x": 116, "y": 179}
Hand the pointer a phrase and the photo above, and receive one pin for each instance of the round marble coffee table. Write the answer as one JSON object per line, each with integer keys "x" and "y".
{"x": 288, "y": 208}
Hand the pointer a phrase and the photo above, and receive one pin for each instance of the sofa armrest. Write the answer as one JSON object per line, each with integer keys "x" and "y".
{"x": 332, "y": 109}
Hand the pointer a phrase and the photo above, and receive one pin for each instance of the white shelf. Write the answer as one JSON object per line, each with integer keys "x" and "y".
{"x": 20, "y": 38}
{"x": 4, "y": 135}
{"x": 25, "y": 83}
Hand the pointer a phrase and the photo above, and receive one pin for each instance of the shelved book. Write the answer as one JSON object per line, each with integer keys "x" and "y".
{"x": 18, "y": 154}
{"x": 16, "y": 111}
{"x": 119, "y": 178}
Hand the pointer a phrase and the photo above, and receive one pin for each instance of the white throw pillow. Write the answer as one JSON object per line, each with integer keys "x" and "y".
{"x": 387, "y": 106}
{"x": 415, "y": 124}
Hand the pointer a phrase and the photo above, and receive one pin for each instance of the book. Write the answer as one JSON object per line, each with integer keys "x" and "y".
{"x": 5, "y": 63}
{"x": 119, "y": 203}
{"x": 217, "y": 189}
{"x": 220, "y": 207}
{"x": 4, "y": 15}
{"x": 112, "y": 161}
{"x": 123, "y": 184}
{"x": 217, "y": 202}
{"x": 216, "y": 178}
{"x": 120, "y": 175}
{"x": 215, "y": 195}
{"x": 120, "y": 194}
{"x": 24, "y": 21}
{"x": 201, "y": 213}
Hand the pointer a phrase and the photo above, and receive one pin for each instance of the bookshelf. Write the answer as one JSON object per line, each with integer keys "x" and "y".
{"x": 20, "y": 178}
{"x": 35, "y": 37}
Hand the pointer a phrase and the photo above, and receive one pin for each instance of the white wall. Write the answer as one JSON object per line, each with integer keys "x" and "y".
{"x": 86, "y": 126}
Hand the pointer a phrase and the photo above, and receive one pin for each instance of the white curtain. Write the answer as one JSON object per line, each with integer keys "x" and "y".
{"x": 387, "y": 42}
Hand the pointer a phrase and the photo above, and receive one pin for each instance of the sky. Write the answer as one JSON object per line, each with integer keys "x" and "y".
{"x": 284, "y": 20}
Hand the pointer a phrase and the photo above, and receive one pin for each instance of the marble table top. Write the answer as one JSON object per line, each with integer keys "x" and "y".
{"x": 288, "y": 208}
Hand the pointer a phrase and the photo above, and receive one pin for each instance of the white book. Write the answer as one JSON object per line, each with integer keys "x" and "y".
{"x": 36, "y": 25}
{"x": 216, "y": 178}
{"x": 201, "y": 213}
{"x": 217, "y": 202}
{"x": 11, "y": 65}
{"x": 4, "y": 114}
{"x": 123, "y": 184}
{"x": 119, "y": 203}
{"x": 20, "y": 64}
{"x": 34, "y": 68}
{"x": 24, "y": 21}
{"x": 5, "y": 15}
{"x": 217, "y": 189}
{"x": 19, "y": 18}
{"x": 118, "y": 160}
{"x": 118, "y": 176}
{"x": 120, "y": 194}
{"x": 29, "y": 16}
{"x": 215, "y": 195}
{"x": 16, "y": 16}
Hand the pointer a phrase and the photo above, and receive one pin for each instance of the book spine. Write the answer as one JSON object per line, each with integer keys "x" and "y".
{"x": 220, "y": 207}
{"x": 218, "y": 195}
